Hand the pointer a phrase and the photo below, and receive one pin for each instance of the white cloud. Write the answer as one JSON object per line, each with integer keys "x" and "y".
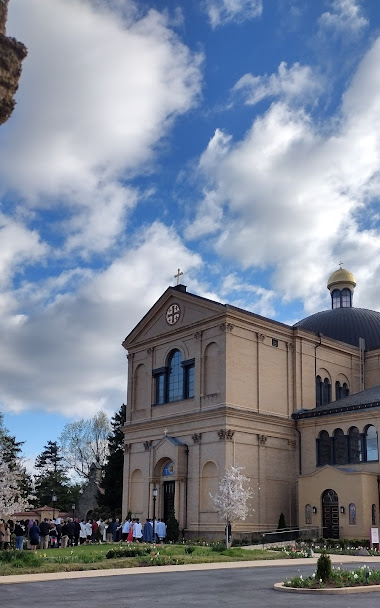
{"x": 19, "y": 247}
{"x": 290, "y": 197}
{"x": 346, "y": 15}
{"x": 99, "y": 92}
{"x": 297, "y": 84}
{"x": 255, "y": 298}
{"x": 221, "y": 12}
{"x": 67, "y": 357}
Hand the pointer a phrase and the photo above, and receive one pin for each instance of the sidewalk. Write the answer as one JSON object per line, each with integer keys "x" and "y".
{"x": 53, "y": 576}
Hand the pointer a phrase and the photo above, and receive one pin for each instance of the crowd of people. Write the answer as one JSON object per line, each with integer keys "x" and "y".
{"x": 59, "y": 532}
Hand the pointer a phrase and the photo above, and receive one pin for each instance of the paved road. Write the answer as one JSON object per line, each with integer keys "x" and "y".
{"x": 238, "y": 588}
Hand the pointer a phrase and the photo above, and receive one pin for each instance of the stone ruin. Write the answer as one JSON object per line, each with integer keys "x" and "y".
{"x": 12, "y": 54}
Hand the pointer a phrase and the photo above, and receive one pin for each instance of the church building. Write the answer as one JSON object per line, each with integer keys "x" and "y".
{"x": 211, "y": 385}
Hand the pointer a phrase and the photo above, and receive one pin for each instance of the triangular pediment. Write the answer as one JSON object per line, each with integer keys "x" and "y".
{"x": 175, "y": 310}
{"x": 170, "y": 449}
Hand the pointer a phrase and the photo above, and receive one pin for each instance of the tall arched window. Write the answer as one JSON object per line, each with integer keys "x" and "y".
{"x": 337, "y": 391}
{"x": 318, "y": 391}
{"x": 322, "y": 391}
{"x": 340, "y": 447}
{"x": 346, "y": 298}
{"x": 176, "y": 381}
{"x": 352, "y": 514}
{"x": 335, "y": 296}
{"x": 371, "y": 447}
{"x": 324, "y": 448}
{"x": 326, "y": 392}
{"x": 355, "y": 453}
{"x": 175, "y": 376}
{"x": 341, "y": 391}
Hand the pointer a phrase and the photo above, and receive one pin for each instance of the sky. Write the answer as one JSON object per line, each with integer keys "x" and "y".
{"x": 237, "y": 140}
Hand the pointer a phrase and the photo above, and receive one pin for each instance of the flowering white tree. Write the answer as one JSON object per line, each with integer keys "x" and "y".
{"x": 11, "y": 500}
{"x": 231, "y": 502}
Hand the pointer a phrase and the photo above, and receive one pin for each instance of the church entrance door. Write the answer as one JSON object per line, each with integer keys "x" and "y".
{"x": 330, "y": 507}
{"x": 169, "y": 491}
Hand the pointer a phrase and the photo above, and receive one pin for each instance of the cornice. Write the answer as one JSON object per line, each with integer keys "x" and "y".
{"x": 225, "y": 411}
{"x": 315, "y": 413}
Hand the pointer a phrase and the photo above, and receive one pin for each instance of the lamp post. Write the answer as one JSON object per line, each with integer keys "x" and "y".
{"x": 73, "y": 509}
{"x": 154, "y": 493}
{"x": 54, "y": 499}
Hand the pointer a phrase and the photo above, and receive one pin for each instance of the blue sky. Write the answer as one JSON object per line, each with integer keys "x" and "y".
{"x": 236, "y": 139}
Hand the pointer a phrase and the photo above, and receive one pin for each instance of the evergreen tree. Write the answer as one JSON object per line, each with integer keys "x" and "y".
{"x": 112, "y": 482}
{"x": 52, "y": 478}
{"x": 15, "y": 483}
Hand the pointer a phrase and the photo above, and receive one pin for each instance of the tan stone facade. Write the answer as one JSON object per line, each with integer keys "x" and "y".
{"x": 356, "y": 481}
{"x": 12, "y": 54}
{"x": 250, "y": 375}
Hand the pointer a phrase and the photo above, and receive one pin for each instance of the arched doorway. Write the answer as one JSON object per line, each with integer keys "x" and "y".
{"x": 169, "y": 489}
{"x": 330, "y": 514}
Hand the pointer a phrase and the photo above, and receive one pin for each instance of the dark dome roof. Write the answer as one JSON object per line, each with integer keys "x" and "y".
{"x": 346, "y": 325}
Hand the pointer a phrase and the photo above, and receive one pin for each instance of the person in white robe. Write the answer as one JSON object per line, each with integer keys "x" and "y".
{"x": 137, "y": 531}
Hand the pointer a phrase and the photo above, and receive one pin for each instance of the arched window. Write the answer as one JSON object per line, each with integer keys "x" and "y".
{"x": 335, "y": 296}
{"x": 308, "y": 514}
{"x": 338, "y": 389}
{"x": 175, "y": 376}
{"x": 326, "y": 392}
{"x": 322, "y": 391}
{"x": 318, "y": 391}
{"x": 324, "y": 448}
{"x": 352, "y": 514}
{"x": 341, "y": 391}
{"x": 340, "y": 447}
{"x": 355, "y": 453}
{"x": 371, "y": 448}
{"x": 346, "y": 298}
{"x": 374, "y": 518}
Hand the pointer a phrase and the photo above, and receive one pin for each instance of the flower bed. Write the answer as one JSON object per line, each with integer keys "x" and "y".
{"x": 326, "y": 576}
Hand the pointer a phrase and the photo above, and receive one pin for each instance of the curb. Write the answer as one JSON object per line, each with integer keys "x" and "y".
{"x": 328, "y": 591}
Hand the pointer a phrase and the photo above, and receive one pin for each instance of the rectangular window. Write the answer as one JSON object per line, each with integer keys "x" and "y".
{"x": 160, "y": 389}
{"x": 159, "y": 376}
{"x": 190, "y": 382}
{"x": 188, "y": 385}
{"x": 274, "y": 342}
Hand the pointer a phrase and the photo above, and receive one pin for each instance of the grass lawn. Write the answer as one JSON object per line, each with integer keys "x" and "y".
{"x": 93, "y": 557}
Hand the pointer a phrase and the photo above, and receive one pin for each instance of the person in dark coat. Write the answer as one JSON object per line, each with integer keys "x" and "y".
{"x": 147, "y": 532}
{"x": 70, "y": 532}
{"x": 19, "y": 532}
{"x": 76, "y": 532}
{"x": 34, "y": 535}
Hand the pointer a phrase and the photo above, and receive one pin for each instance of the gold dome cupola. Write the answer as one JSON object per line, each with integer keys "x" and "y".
{"x": 341, "y": 285}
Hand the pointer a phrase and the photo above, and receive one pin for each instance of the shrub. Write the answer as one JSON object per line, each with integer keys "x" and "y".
{"x": 189, "y": 549}
{"x": 324, "y": 568}
{"x": 160, "y": 560}
{"x": 218, "y": 546}
{"x": 19, "y": 559}
{"x": 126, "y": 552}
